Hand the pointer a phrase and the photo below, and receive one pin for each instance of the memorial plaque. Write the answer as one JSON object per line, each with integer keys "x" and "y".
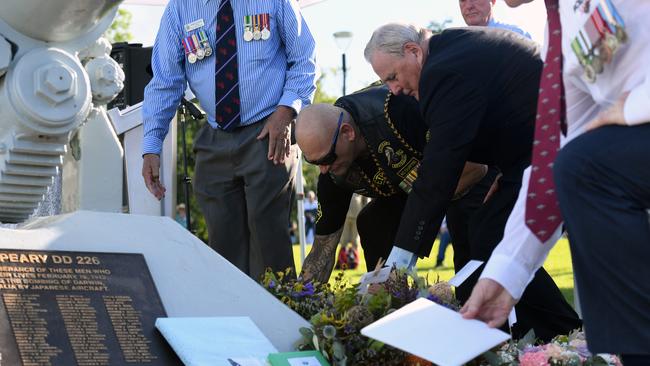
{"x": 79, "y": 308}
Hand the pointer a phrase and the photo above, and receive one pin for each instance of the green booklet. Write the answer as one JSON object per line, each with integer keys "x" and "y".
{"x": 304, "y": 358}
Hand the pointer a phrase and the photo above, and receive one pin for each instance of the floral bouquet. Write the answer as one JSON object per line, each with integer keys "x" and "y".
{"x": 338, "y": 311}
{"x": 565, "y": 350}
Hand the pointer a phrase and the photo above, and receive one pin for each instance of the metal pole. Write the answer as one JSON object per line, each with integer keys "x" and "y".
{"x": 300, "y": 196}
{"x": 186, "y": 178}
{"x": 344, "y": 71}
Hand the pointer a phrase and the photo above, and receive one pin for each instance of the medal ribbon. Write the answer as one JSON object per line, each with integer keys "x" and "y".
{"x": 203, "y": 38}
{"x": 195, "y": 42}
{"x": 256, "y": 22}
{"x": 265, "y": 21}
{"x": 188, "y": 50}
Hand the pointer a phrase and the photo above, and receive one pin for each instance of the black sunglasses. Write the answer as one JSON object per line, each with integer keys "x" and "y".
{"x": 331, "y": 155}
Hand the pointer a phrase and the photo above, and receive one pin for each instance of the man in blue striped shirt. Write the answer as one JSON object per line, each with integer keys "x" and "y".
{"x": 252, "y": 66}
{"x": 480, "y": 13}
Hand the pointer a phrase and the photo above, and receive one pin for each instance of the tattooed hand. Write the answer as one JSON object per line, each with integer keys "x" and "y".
{"x": 320, "y": 261}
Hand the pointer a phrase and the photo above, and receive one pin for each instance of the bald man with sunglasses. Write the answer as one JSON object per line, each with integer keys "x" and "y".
{"x": 371, "y": 143}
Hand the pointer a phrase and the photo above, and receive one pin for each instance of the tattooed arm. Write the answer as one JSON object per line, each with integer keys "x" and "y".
{"x": 320, "y": 261}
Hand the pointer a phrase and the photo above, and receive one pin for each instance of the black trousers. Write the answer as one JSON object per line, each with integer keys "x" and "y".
{"x": 603, "y": 186}
{"x": 245, "y": 198}
{"x": 476, "y": 229}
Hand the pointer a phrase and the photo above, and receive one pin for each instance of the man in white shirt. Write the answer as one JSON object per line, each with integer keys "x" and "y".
{"x": 602, "y": 176}
{"x": 480, "y": 13}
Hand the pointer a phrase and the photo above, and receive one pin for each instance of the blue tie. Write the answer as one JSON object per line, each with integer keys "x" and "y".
{"x": 226, "y": 79}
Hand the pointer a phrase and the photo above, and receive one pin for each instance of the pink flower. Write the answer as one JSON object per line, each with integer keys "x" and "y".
{"x": 556, "y": 352}
{"x": 533, "y": 359}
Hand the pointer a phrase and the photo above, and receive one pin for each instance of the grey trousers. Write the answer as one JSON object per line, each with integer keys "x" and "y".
{"x": 245, "y": 198}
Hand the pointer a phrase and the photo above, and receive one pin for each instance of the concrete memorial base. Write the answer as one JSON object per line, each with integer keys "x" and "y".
{"x": 192, "y": 280}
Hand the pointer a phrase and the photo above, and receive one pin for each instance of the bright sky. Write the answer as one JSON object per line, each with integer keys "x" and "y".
{"x": 361, "y": 17}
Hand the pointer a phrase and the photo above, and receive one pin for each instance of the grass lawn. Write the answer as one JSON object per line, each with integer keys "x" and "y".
{"x": 558, "y": 265}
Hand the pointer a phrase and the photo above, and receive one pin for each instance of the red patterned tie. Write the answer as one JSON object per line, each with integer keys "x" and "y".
{"x": 542, "y": 208}
{"x": 226, "y": 77}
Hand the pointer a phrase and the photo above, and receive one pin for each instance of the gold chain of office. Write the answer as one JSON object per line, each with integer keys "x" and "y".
{"x": 396, "y": 133}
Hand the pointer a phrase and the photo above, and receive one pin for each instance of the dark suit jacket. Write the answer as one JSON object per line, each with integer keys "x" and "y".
{"x": 478, "y": 96}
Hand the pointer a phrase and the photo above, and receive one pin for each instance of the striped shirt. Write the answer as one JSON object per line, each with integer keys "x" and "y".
{"x": 277, "y": 71}
{"x": 493, "y": 23}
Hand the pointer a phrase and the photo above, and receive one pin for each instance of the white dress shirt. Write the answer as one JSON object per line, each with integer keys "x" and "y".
{"x": 520, "y": 254}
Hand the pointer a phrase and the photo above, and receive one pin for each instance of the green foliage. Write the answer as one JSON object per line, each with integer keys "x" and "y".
{"x": 337, "y": 312}
{"x": 192, "y": 127}
{"x": 119, "y": 29}
{"x": 320, "y": 96}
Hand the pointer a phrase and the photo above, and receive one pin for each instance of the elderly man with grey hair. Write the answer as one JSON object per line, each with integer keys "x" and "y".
{"x": 477, "y": 91}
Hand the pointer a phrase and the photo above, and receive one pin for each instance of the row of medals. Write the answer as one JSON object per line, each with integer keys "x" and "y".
{"x": 603, "y": 54}
{"x": 609, "y": 42}
{"x": 200, "y": 50}
{"x": 255, "y": 34}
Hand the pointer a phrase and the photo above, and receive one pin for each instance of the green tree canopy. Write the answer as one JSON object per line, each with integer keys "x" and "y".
{"x": 119, "y": 29}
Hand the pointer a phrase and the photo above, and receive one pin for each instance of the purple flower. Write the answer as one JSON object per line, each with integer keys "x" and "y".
{"x": 272, "y": 284}
{"x": 307, "y": 290}
{"x": 530, "y": 348}
{"x": 434, "y": 298}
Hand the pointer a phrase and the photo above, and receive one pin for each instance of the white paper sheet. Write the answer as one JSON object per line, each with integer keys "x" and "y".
{"x": 465, "y": 272}
{"x": 212, "y": 341}
{"x": 435, "y": 333}
{"x": 373, "y": 277}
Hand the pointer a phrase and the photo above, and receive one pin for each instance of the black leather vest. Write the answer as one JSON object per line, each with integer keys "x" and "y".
{"x": 392, "y": 165}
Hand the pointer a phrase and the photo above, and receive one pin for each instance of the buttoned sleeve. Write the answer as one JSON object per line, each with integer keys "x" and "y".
{"x": 300, "y": 81}
{"x": 163, "y": 93}
{"x": 453, "y": 109}
{"x": 636, "y": 109}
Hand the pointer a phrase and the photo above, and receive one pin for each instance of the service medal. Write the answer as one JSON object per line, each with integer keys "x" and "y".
{"x": 605, "y": 53}
{"x": 611, "y": 42}
{"x": 256, "y": 28}
{"x": 200, "y": 52}
{"x": 589, "y": 73}
{"x": 189, "y": 49}
{"x": 621, "y": 34}
{"x": 597, "y": 63}
{"x": 266, "y": 33}
{"x": 203, "y": 39}
{"x": 248, "y": 26}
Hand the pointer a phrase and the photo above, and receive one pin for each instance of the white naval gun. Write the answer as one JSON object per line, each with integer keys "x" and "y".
{"x": 55, "y": 76}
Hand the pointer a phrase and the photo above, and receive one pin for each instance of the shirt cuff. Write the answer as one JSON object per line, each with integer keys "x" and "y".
{"x": 291, "y": 100}
{"x": 508, "y": 273}
{"x": 635, "y": 110}
{"x": 151, "y": 145}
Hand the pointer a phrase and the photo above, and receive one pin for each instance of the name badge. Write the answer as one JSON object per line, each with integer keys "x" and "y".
{"x": 194, "y": 25}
